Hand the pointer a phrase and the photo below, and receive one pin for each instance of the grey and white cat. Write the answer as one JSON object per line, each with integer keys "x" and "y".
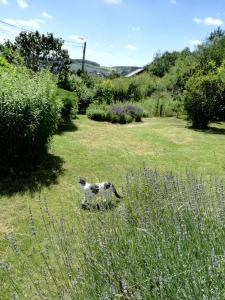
{"x": 104, "y": 189}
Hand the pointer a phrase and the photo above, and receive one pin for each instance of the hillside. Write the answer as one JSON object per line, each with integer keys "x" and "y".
{"x": 95, "y": 68}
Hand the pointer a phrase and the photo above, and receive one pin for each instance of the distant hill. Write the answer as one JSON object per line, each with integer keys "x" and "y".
{"x": 95, "y": 68}
{"x": 79, "y": 61}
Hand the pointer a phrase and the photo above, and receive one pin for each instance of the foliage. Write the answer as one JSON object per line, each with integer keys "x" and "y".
{"x": 97, "y": 111}
{"x": 174, "y": 81}
{"x": 134, "y": 92}
{"x": 104, "y": 93}
{"x": 4, "y": 63}
{"x": 28, "y": 116}
{"x": 123, "y": 89}
{"x": 83, "y": 88}
{"x": 211, "y": 51}
{"x": 165, "y": 240}
{"x": 162, "y": 104}
{"x": 162, "y": 63}
{"x": 69, "y": 104}
{"x": 116, "y": 113}
{"x": 11, "y": 54}
{"x": 42, "y": 51}
{"x": 135, "y": 112}
{"x": 205, "y": 99}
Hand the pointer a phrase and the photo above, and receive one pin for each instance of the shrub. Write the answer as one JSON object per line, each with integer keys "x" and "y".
{"x": 135, "y": 112}
{"x": 69, "y": 104}
{"x": 104, "y": 94}
{"x": 4, "y": 63}
{"x": 83, "y": 89}
{"x": 162, "y": 102}
{"x": 97, "y": 112}
{"x": 204, "y": 99}
{"x": 125, "y": 114}
{"x": 84, "y": 94}
{"x": 134, "y": 92}
{"x": 29, "y": 115}
{"x": 115, "y": 114}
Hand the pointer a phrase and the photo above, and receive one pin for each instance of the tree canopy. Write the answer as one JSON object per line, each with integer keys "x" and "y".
{"x": 41, "y": 51}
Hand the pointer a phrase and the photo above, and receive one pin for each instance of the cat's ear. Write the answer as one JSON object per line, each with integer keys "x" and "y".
{"x": 82, "y": 180}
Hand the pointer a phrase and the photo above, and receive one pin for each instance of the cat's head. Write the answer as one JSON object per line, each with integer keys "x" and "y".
{"x": 82, "y": 181}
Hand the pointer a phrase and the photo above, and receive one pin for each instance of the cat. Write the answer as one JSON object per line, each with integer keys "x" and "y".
{"x": 104, "y": 189}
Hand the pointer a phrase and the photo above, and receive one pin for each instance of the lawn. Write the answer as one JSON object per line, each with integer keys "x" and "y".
{"x": 103, "y": 151}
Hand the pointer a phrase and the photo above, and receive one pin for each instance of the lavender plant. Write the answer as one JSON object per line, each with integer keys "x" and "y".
{"x": 116, "y": 113}
{"x": 133, "y": 111}
{"x": 164, "y": 241}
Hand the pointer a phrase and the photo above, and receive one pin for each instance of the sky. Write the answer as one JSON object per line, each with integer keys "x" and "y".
{"x": 117, "y": 32}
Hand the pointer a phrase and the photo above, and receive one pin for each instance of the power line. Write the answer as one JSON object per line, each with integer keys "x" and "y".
{"x": 15, "y": 26}
{"x": 21, "y": 28}
{"x": 8, "y": 31}
{"x": 69, "y": 43}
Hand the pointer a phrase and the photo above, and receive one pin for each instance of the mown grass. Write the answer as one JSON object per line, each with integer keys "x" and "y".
{"x": 99, "y": 151}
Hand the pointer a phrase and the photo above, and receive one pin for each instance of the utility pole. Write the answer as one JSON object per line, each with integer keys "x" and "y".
{"x": 83, "y": 60}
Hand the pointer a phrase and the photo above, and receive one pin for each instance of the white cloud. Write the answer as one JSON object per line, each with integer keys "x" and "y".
{"x": 130, "y": 47}
{"x": 32, "y": 23}
{"x": 209, "y": 21}
{"x": 173, "y": 1}
{"x": 3, "y": 2}
{"x": 22, "y": 3}
{"x": 197, "y": 20}
{"x": 46, "y": 15}
{"x": 76, "y": 38}
{"x": 113, "y": 1}
{"x": 135, "y": 28}
{"x": 195, "y": 42}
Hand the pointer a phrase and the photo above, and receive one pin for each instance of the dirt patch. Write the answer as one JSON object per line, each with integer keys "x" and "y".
{"x": 180, "y": 138}
{"x": 121, "y": 146}
{"x": 5, "y": 227}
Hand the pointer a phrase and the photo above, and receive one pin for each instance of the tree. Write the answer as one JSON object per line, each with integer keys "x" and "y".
{"x": 216, "y": 35}
{"x": 162, "y": 63}
{"x": 205, "y": 98}
{"x": 12, "y": 55}
{"x": 212, "y": 50}
{"x": 42, "y": 51}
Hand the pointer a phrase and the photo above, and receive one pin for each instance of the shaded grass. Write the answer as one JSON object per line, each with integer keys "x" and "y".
{"x": 102, "y": 151}
{"x": 44, "y": 174}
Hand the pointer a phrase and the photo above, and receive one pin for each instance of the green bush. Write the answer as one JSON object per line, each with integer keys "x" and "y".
{"x": 162, "y": 102}
{"x": 122, "y": 114}
{"x": 4, "y": 63}
{"x": 205, "y": 99}
{"x": 83, "y": 92}
{"x": 69, "y": 104}
{"x": 97, "y": 112}
{"x": 134, "y": 92}
{"x": 29, "y": 114}
{"x": 104, "y": 94}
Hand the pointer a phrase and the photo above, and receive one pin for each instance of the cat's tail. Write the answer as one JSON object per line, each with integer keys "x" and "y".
{"x": 115, "y": 192}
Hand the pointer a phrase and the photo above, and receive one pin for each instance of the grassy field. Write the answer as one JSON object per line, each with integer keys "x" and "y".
{"x": 102, "y": 151}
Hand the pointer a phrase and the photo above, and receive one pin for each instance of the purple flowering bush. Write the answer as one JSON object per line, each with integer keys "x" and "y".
{"x": 122, "y": 114}
{"x": 125, "y": 114}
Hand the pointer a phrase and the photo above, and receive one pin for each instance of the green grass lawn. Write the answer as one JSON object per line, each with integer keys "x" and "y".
{"x": 104, "y": 151}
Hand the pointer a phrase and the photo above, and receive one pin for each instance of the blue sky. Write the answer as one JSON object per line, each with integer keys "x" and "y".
{"x": 118, "y": 32}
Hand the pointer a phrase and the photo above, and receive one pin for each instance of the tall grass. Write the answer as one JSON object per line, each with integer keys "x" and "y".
{"x": 165, "y": 240}
{"x": 161, "y": 103}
